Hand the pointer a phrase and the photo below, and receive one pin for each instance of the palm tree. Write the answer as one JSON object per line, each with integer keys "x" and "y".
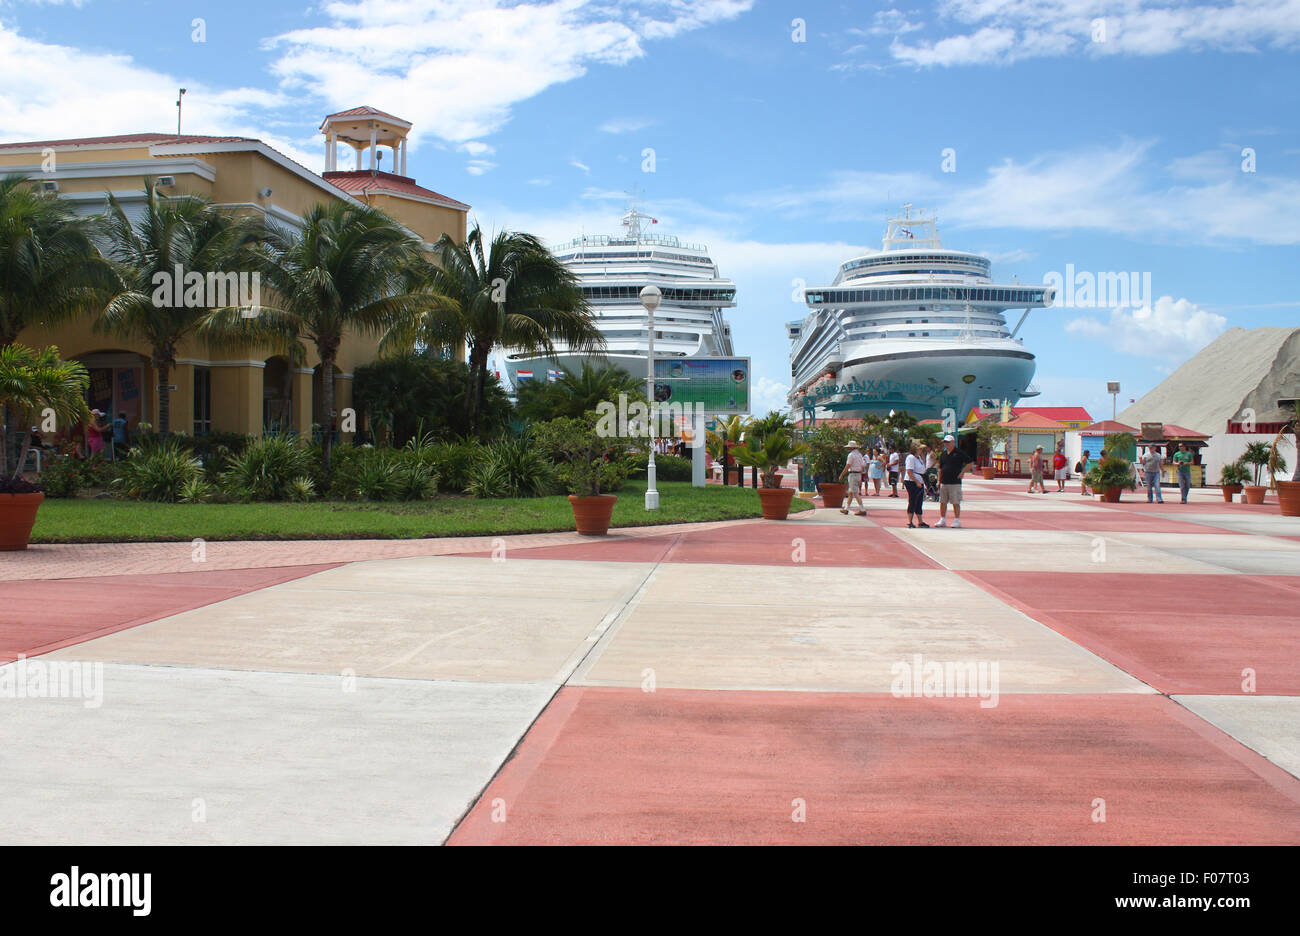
{"x": 515, "y": 294}
{"x": 350, "y": 269}
{"x": 574, "y": 394}
{"x": 187, "y": 234}
{"x": 49, "y": 269}
{"x": 32, "y": 382}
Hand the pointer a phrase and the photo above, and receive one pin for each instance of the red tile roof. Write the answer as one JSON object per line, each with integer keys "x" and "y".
{"x": 1107, "y": 426}
{"x": 388, "y": 183}
{"x": 1032, "y": 421}
{"x": 130, "y": 138}
{"x": 1180, "y": 432}
{"x": 1058, "y": 413}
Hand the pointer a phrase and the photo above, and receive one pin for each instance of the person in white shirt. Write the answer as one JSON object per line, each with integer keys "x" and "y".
{"x": 914, "y": 481}
{"x": 853, "y": 467}
{"x": 893, "y": 472}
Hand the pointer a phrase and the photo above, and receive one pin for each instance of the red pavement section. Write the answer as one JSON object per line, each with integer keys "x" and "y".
{"x": 607, "y": 766}
{"x": 1178, "y": 633}
{"x": 792, "y": 543}
{"x": 40, "y": 616}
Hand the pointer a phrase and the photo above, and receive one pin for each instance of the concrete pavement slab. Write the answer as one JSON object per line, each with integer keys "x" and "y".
{"x": 814, "y": 629}
{"x": 1269, "y": 725}
{"x": 39, "y": 616}
{"x": 430, "y": 618}
{"x": 604, "y": 766}
{"x": 201, "y": 756}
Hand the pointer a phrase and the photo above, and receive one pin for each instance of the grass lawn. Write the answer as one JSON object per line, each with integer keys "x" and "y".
{"x": 114, "y": 521}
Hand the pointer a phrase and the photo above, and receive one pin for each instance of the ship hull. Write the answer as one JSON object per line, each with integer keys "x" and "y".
{"x": 922, "y": 383}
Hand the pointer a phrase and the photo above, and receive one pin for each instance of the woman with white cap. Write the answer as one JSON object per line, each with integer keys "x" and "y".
{"x": 853, "y": 468}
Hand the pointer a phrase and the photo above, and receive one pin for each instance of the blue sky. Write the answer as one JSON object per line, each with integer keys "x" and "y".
{"x": 1106, "y": 135}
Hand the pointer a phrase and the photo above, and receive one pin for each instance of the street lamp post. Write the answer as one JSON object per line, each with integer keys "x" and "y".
{"x": 650, "y": 298}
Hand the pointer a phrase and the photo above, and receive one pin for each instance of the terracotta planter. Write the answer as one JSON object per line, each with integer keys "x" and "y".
{"x": 1255, "y": 493}
{"x": 1230, "y": 491}
{"x": 17, "y": 515}
{"x": 1288, "y": 495}
{"x": 1111, "y": 495}
{"x": 989, "y": 472}
{"x": 592, "y": 514}
{"x": 775, "y": 502}
{"x": 832, "y": 493}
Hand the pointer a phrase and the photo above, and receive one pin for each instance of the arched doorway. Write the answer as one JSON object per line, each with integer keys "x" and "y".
{"x": 277, "y": 395}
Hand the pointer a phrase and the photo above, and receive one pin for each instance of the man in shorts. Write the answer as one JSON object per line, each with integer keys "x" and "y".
{"x": 853, "y": 467}
{"x": 953, "y": 463}
{"x": 1060, "y": 467}
{"x": 1036, "y": 471}
{"x": 893, "y": 472}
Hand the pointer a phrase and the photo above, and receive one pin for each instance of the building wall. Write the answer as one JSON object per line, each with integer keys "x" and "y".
{"x": 237, "y": 178}
{"x": 1226, "y": 448}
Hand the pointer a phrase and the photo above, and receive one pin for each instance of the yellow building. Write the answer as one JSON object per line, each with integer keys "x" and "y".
{"x": 255, "y": 390}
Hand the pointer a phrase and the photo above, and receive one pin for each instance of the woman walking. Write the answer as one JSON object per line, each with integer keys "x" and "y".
{"x": 876, "y": 471}
{"x": 914, "y": 482}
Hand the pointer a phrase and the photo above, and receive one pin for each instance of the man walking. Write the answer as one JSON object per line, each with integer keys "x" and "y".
{"x": 853, "y": 468}
{"x": 893, "y": 472}
{"x": 1060, "y": 467}
{"x": 953, "y": 463}
{"x": 1153, "y": 463}
{"x": 1183, "y": 462}
{"x": 1036, "y": 471}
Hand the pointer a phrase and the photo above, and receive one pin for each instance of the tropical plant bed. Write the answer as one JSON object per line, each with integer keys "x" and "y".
{"x": 82, "y": 520}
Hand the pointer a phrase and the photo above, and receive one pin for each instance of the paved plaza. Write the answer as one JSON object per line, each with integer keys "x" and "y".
{"x": 1058, "y": 671}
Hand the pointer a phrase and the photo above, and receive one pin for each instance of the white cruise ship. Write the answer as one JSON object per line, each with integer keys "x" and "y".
{"x": 911, "y": 327}
{"x": 612, "y": 270}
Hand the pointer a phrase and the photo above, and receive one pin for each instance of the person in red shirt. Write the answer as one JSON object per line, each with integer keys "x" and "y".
{"x": 1061, "y": 467}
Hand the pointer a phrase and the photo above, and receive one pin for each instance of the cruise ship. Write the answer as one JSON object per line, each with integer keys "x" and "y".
{"x": 612, "y": 269}
{"x": 911, "y": 327}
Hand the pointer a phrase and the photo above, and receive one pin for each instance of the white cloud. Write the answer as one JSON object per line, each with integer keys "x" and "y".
{"x": 1170, "y": 329}
{"x": 586, "y": 170}
{"x": 1005, "y": 31}
{"x": 625, "y": 125}
{"x": 476, "y": 148}
{"x": 479, "y": 166}
{"x": 481, "y": 56}
{"x": 766, "y": 394}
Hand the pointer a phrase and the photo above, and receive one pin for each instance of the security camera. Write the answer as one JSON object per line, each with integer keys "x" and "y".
{"x": 265, "y": 193}
{"x": 165, "y": 182}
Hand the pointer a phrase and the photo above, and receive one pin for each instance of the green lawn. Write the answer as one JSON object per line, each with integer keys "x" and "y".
{"x": 115, "y": 521}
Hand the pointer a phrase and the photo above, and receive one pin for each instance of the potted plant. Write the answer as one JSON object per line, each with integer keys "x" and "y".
{"x": 1288, "y": 492}
{"x": 1257, "y": 455}
{"x": 1111, "y": 477}
{"x": 1231, "y": 478}
{"x": 32, "y": 382}
{"x": 824, "y": 461}
{"x": 585, "y": 468}
{"x": 767, "y": 454}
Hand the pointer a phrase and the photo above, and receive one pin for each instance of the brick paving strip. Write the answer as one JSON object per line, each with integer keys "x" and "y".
{"x": 82, "y": 560}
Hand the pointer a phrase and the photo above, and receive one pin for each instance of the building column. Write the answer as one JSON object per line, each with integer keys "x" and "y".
{"x": 358, "y": 160}
{"x": 374, "y": 148}
{"x": 342, "y": 401}
{"x": 237, "y": 398}
{"x": 403, "y": 172}
{"x": 302, "y": 401}
{"x": 331, "y": 151}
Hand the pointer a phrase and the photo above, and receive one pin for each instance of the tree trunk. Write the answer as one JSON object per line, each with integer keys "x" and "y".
{"x": 164, "y": 400}
{"x": 474, "y": 391}
{"x": 4, "y": 441}
{"x": 327, "y": 404}
{"x": 22, "y": 455}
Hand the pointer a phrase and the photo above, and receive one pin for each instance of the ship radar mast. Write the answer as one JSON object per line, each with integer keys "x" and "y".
{"x": 909, "y": 230}
{"x": 635, "y": 218}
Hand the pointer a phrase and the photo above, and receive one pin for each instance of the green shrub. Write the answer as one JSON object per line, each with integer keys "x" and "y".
{"x": 266, "y": 467}
{"x": 488, "y": 479}
{"x": 301, "y": 490}
{"x": 527, "y": 470}
{"x": 97, "y": 472}
{"x": 586, "y": 463}
{"x": 667, "y": 467}
{"x": 452, "y": 462}
{"x": 60, "y": 477}
{"x": 158, "y": 471}
{"x": 415, "y": 480}
{"x": 195, "y": 491}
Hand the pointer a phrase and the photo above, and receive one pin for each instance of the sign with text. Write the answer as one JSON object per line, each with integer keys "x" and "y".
{"x": 717, "y": 384}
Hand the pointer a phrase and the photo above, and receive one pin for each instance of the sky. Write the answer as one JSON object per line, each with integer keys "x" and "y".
{"x": 1153, "y": 137}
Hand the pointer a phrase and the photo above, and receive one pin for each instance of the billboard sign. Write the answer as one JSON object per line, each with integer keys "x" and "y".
{"x": 714, "y": 384}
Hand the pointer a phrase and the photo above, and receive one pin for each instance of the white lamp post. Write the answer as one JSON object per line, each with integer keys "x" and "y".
{"x": 650, "y": 298}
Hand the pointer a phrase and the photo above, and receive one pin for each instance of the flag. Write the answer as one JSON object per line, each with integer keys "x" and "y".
{"x": 554, "y": 374}
{"x": 654, "y": 220}
{"x": 523, "y": 375}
